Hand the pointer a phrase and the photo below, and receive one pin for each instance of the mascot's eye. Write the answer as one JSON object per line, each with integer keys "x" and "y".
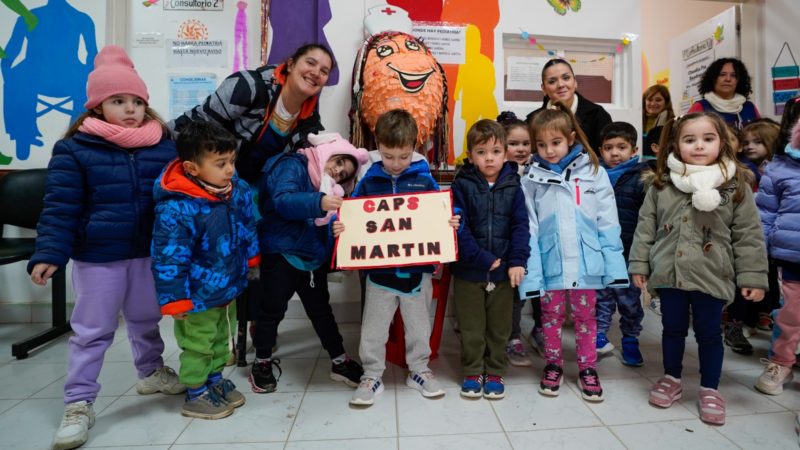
{"x": 384, "y": 51}
{"x": 411, "y": 45}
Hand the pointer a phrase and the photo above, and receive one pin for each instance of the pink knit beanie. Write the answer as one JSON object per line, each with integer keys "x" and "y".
{"x": 113, "y": 74}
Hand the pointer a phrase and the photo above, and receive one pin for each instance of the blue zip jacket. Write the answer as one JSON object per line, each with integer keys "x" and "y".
{"x": 494, "y": 224}
{"x": 288, "y": 204}
{"x": 575, "y": 232}
{"x": 416, "y": 178}
{"x": 202, "y": 244}
{"x": 98, "y": 204}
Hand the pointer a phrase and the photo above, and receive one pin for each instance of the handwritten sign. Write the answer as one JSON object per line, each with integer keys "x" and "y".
{"x": 396, "y": 230}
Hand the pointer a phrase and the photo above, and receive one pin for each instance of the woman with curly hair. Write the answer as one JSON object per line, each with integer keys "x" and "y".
{"x": 725, "y": 87}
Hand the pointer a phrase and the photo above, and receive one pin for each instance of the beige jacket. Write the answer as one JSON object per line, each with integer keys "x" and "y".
{"x": 677, "y": 246}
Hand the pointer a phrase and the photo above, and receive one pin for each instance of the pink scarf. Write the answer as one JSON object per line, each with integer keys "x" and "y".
{"x": 149, "y": 133}
{"x": 321, "y": 181}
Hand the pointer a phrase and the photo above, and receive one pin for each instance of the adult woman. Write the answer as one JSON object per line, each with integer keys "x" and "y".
{"x": 559, "y": 83}
{"x": 725, "y": 86}
{"x": 656, "y": 108}
{"x": 269, "y": 109}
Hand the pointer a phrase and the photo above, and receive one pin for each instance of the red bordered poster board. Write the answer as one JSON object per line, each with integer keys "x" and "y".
{"x": 396, "y": 231}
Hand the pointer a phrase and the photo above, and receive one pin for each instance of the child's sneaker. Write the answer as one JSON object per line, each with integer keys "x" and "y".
{"x": 589, "y": 383}
{"x": 472, "y": 386}
{"x": 494, "y": 388}
{"x": 655, "y": 305}
{"x": 348, "y": 372}
{"x": 74, "y": 429}
{"x": 515, "y": 352}
{"x": 603, "y": 346}
{"x": 261, "y": 378}
{"x": 631, "y": 355}
{"x": 712, "y": 406}
{"x": 425, "y": 383}
{"x": 367, "y": 391}
{"x": 764, "y": 322}
{"x": 227, "y": 391}
{"x": 774, "y": 377}
{"x": 208, "y": 405}
{"x": 734, "y": 337}
{"x": 163, "y": 380}
{"x": 537, "y": 340}
{"x": 551, "y": 380}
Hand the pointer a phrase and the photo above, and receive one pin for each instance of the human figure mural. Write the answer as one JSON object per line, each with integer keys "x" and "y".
{"x": 52, "y": 46}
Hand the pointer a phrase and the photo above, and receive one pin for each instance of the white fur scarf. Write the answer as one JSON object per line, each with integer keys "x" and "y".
{"x": 700, "y": 181}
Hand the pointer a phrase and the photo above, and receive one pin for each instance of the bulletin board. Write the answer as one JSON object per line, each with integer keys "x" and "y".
{"x": 693, "y": 51}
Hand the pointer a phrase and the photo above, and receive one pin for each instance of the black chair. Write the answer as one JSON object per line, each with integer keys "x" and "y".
{"x": 21, "y": 202}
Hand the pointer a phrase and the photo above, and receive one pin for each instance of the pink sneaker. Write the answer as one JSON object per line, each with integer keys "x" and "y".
{"x": 665, "y": 392}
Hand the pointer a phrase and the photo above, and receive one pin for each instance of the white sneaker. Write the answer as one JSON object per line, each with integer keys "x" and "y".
{"x": 655, "y": 305}
{"x": 367, "y": 391}
{"x": 425, "y": 383}
{"x": 164, "y": 380}
{"x": 773, "y": 378}
{"x": 74, "y": 429}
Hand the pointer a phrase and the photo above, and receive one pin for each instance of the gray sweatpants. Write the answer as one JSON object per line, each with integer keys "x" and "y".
{"x": 379, "y": 308}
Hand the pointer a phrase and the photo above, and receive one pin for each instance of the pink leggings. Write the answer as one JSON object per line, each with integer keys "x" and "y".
{"x": 554, "y": 305}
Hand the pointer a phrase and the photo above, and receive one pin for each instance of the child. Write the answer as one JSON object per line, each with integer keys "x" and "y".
{"x": 204, "y": 239}
{"x": 98, "y": 210}
{"x": 296, "y": 195}
{"x": 698, "y": 237}
{"x": 518, "y": 146}
{"x": 778, "y": 204}
{"x": 758, "y": 138}
{"x": 625, "y": 172}
{"x": 575, "y": 242}
{"x": 493, "y": 250}
{"x": 650, "y": 144}
{"x": 408, "y": 288}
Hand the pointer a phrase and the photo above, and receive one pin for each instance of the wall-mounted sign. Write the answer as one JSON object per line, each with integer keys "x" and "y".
{"x": 193, "y": 5}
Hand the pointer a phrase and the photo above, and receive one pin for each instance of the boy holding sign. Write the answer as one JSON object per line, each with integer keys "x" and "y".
{"x": 408, "y": 288}
{"x": 493, "y": 250}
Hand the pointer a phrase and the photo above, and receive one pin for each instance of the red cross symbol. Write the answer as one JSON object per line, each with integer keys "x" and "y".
{"x": 388, "y": 11}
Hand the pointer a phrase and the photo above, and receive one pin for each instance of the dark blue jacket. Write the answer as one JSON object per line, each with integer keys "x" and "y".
{"x": 98, "y": 204}
{"x": 288, "y": 204}
{"x": 629, "y": 192}
{"x": 416, "y": 178}
{"x": 202, "y": 244}
{"x": 494, "y": 224}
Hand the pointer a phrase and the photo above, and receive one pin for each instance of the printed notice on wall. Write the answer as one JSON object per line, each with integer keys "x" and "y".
{"x": 148, "y": 39}
{"x": 188, "y": 91}
{"x": 448, "y": 43}
{"x": 524, "y": 73}
{"x": 191, "y": 53}
{"x": 193, "y": 5}
{"x": 696, "y": 59}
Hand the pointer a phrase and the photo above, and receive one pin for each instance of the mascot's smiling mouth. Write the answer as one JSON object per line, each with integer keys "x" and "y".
{"x": 412, "y": 82}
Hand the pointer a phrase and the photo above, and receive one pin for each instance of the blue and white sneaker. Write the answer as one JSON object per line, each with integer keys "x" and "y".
{"x": 367, "y": 391}
{"x": 494, "y": 388}
{"x": 472, "y": 386}
{"x": 425, "y": 383}
{"x": 603, "y": 346}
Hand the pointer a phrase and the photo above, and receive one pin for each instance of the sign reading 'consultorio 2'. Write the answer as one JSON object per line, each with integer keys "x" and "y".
{"x": 193, "y": 5}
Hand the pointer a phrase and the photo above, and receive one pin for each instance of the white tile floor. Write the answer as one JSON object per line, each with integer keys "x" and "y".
{"x": 311, "y": 412}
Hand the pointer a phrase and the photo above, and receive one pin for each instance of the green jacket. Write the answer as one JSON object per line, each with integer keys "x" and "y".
{"x": 678, "y": 246}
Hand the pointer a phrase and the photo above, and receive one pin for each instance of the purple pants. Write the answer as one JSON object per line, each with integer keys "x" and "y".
{"x": 554, "y": 306}
{"x": 102, "y": 290}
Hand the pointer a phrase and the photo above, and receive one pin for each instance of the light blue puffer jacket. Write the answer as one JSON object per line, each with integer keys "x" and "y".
{"x": 575, "y": 232}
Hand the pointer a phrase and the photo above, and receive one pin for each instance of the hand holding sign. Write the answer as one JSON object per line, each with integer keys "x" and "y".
{"x": 396, "y": 230}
